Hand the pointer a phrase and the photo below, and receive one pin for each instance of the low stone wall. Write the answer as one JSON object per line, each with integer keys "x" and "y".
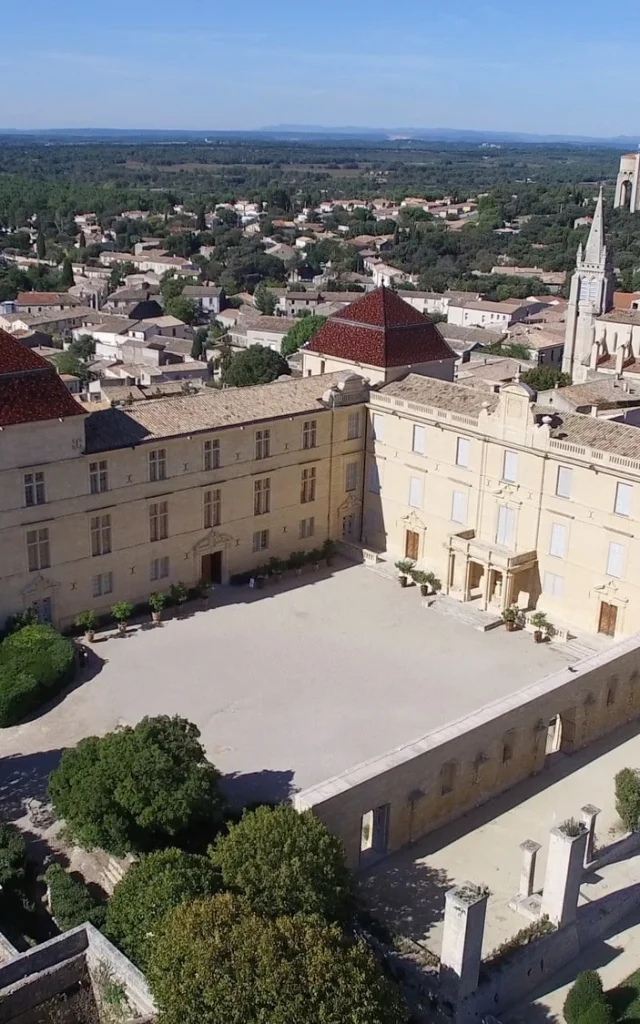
{"x": 423, "y": 785}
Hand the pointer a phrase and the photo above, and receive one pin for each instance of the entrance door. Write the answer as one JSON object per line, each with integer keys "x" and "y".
{"x": 412, "y": 545}
{"x": 43, "y": 609}
{"x": 211, "y": 569}
{"x": 349, "y": 527}
{"x": 608, "y": 616}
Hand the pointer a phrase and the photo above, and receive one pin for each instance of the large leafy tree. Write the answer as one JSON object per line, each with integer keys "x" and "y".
{"x": 214, "y": 962}
{"x": 136, "y": 788}
{"x": 264, "y": 300}
{"x": 283, "y": 862}
{"x": 301, "y": 332}
{"x": 544, "y": 378}
{"x": 13, "y": 856}
{"x": 151, "y": 888}
{"x": 182, "y": 308}
{"x": 255, "y": 365}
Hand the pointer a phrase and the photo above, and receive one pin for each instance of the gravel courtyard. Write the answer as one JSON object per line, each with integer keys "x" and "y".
{"x": 289, "y": 685}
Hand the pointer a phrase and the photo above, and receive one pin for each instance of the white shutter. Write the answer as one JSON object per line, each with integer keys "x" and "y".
{"x": 553, "y": 585}
{"x": 615, "y": 560}
{"x": 351, "y": 476}
{"x": 374, "y": 478}
{"x": 378, "y": 427}
{"x": 510, "y": 468}
{"x": 623, "y": 499}
{"x": 462, "y": 452}
{"x": 563, "y": 483}
{"x": 418, "y": 439}
{"x": 459, "y": 507}
{"x": 558, "y": 543}
{"x": 506, "y": 526}
{"x": 416, "y": 488}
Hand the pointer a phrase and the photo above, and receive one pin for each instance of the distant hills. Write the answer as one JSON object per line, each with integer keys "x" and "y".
{"x": 313, "y": 133}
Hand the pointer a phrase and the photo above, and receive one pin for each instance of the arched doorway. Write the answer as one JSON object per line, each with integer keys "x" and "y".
{"x": 625, "y": 193}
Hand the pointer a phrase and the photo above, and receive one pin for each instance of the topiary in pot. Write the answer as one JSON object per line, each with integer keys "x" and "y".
{"x": 328, "y": 550}
{"x": 88, "y": 622}
{"x": 421, "y": 579}
{"x": 434, "y": 582}
{"x": 541, "y": 625}
{"x": 404, "y": 567}
{"x": 510, "y": 618}
{"x": 121, "y": 611}
{"x": 156, "y": 604}
{"x": 178, "y": 594}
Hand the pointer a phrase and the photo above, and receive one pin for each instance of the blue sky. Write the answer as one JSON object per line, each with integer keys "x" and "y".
{"x": 554, "y": 66}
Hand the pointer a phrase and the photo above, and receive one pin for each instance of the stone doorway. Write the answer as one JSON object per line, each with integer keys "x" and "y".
{"x": 374, "y": 835}
{"x": 211, "y": 567}
{"x": 608, "y": 618}
{"x": 412, "y": 545}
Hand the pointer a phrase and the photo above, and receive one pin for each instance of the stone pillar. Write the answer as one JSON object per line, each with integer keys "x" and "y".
{"x": 467, "y": 580}
{"x": 564, "y": 874}
{"x": 589, "y": 814}
{"x": 527, "y": 874}
{"x": 464, "y": 916}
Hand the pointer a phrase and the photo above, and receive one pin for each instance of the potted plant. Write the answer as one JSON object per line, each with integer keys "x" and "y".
{"x": 404, "y": 567}
{"x": 276, "y": 568}
{"x": 315, "y": 557}
{"x": 121, "y": 611}
{"x": 510, "y": 618}
{"x": 540, "y": 625}
{"x": 87, "y": 621}
{"x": 328, "y": 550}
{"x": 296, "y": 561}
{"x": 156, "y": 604}
{"x": 434, "y": 583}
{"x": 421, "y": 579}
{"x": 178, "y": 594}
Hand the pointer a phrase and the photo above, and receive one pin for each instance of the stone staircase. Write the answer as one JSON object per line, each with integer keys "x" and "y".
{"x": 464, "y": 613}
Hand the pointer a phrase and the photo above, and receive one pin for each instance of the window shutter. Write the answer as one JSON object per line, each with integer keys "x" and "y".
{"x": 615, "y": 560}
{"x": 506, "y": 524}
{"x": 510, "y": 469}
{"x": 415, "y": 492}
{"x": 563, "y": 484}
{"x": 418, "y": 439}
{"x": 558, "y": 544}
{"x": 623, "y": 499}
{"x": 462, "y": 451}
{"x": 459, "y": 507}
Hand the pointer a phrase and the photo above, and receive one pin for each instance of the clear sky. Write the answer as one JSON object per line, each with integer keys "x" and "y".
{"x": 555, "y": 66}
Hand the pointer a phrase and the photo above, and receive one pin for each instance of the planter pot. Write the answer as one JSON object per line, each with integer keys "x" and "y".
{"x": 316, "y": 566}
{"x": 402, "y": 580}
{"x": 537, "y": 636}
{"x": 299, "y": 571}
{"x": 424, "y": 590}
{"x": 122, "y": 628}
{"x": 155, "y": 616}
{"x": 90, "y": 635}
{"x": 277, "y": 576}
{"x": 511, "y": 626}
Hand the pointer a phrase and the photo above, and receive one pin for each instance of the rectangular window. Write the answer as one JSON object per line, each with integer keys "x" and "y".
{"x": 38, "y": 553}
{"x": 212, "y": 508}
{"x": 34, "y": 489}
{"x": 353, "y": 426}
{"x": 158, "y": 521}
{"x": 510, "y": 467}
{"x": 462, "y": 452}
{"x": 308, "y": 485}
{"x": 351, "y": 476}
{"x": 373, "y": 483}
{"x": 263, "y": 444}
{"x": 416, "y": 491}
{"x": 615, "y": 560}
{"x": 418, "y": 439}
{"x": 159, "y": 568}
{"x": 459, "y": 507}
{"x": 261, "y": 540}
{"x": 553, "y": 585}
{"x": 558, "y": 542}
{"x": 378, "y": 427}
{"x": 506, "y": 526}
{"x": 102, "y": 584}
{"x": 261, "y": 496}
{"x": 623, "y": 500}
{"x": 563, "y": 482}
{"x": 100, "y": 535}
{"x": 307, "y": 528}
{"x": 211, "y": 454}
{"x": 309, "y": 433}
{"x": 158, "y": 464}
{"x": 98, "y": 477}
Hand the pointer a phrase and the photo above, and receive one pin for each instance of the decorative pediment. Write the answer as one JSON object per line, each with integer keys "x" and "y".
{"x": 351, "y": 504}
{"x": 413, "y": 521}
{"x": 41, "y": 585}
{"x": 609, "y": 591}
{"x": 213, "y": 541}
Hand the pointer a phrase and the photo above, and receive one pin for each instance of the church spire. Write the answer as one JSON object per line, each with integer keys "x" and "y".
{"x": 595, "y": 251}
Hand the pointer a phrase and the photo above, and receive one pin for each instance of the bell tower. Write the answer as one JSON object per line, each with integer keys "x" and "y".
{"x": 591, "y": 295}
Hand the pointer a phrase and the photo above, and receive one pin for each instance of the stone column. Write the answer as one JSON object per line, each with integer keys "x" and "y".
{"x": 527, "y": 874}
{"x": 467, "y": 580}
{"x": 564, "y": 874}
{"x": 589, "y": 814}
{"x": 464, "y": 916}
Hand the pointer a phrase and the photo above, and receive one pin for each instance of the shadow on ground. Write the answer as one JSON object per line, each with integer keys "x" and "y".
{"x": 407, "y": 896}
{"x": 23, "y": 782}
{"x": 263, "y": 787}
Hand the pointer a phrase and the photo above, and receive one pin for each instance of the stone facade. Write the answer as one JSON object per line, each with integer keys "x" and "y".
{"x": 628, "y": 183}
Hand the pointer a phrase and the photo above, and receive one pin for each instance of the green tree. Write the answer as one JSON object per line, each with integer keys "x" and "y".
{"x": 586, "y": 992}
{"x": 301, "y": 332}
{"x": 83, "y": 347}
{"x": 13, "y": 856}
{"x": 255, "y": 365}
{"x": 71, "y": 902}
{"x": 214, "y": 962}
{"x": 627, "y": 789}
{"x": 201, "y": 220}
{"x": 41, "y": 248}
{"x": 118, "y": 273}
{"x": 544, "y": 378}
{"x": 66, "y": 274}
{"x": 68, "y": 362}
{"x": 199, "y": 343}
{"x": 184, "y": 309}
{"x": 150, "y": 889}
{"x": 264, "y": 300}
{"x": 136, "y": 788}
{"x": 283, "y": 862}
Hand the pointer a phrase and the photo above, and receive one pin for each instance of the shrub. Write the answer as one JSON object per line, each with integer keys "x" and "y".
{"x": 150, "y": 889}
{"x": 71, "y": 902}
{"x": 87, "y": 620}
{"x": 39, "y": 651}
{"x": 19, "y": 694}
{"x": 121, "y": 611}
{"x": 157, "y": 602}
{"x": 586, "y": 992}
{"x": 627, "y": 787}
{"x": 598, "y": 1013}
{"x": 13, "y": 855}
{"x": 283, "y": 862}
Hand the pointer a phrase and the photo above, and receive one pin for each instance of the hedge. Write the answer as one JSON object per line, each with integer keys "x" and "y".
{"x": 35, "y": 663}
{"x": 71, "y": 902}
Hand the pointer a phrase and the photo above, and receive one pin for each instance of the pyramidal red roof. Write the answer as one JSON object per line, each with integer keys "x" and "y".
{"x": 30, "y": 388}
{"x": 381, "y": 329}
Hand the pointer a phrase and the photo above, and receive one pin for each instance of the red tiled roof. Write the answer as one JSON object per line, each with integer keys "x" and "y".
{"x": 45, "y": 299}
{"x": 30, "y": 388}
{"x": 381, "y": 329}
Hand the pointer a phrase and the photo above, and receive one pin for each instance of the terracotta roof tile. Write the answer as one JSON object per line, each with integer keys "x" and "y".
{"x": 30, "y": 388}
